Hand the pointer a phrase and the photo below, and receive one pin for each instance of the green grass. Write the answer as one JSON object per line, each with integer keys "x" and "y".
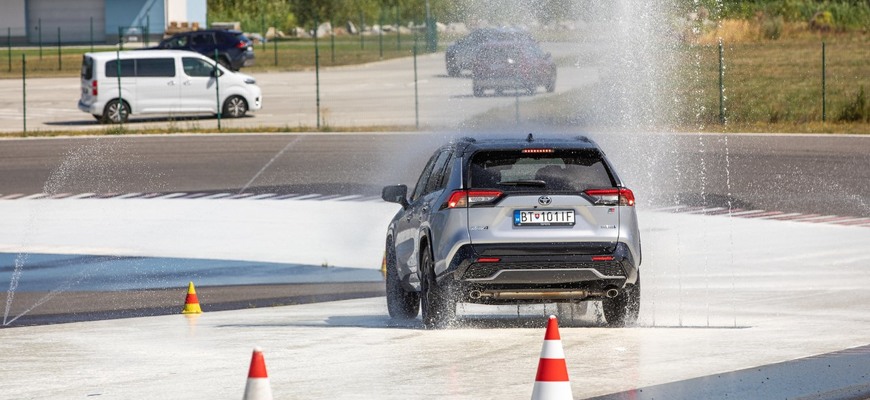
{"x": 770, "y": 86}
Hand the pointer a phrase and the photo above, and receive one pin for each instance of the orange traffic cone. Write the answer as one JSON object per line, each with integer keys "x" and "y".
{"x": 552, "y": 379}
{"x": 258, "y": 387}
{"x": 191, "y": 303}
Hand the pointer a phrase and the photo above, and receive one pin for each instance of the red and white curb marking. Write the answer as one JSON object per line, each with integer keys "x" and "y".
{"x": 769, "y": 215}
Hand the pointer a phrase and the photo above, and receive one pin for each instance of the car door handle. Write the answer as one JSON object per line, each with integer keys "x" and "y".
{"x": 186, "y": 83}
{"x": 171, "y": 83}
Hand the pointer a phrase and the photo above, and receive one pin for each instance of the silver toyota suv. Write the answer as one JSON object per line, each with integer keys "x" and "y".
{"x": 514, "y": 221}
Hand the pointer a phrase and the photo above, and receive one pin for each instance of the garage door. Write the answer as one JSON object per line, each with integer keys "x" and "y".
{"x": 73, "y": 18}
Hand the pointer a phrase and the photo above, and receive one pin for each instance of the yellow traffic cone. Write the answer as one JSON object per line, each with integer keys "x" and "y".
{"x": 191, "y": 303}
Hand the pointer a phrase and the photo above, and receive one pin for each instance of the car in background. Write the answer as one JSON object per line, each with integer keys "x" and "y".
{"x": 460, "y": 55}
{"x": 513, "y": 221}
{"x": 512, "y": 66}
{"x": 234, "y": 49}
{"x": 162, "y": 82}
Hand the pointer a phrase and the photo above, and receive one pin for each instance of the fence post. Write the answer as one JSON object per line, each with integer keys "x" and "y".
{"x": 416, "y": 96}
{"x": 721, "y": 84}
{"x": 92, "y": 34}
{"x": 120, "y": 96}
{"x": 362, "y": 25}
{"x": 275, "y": 49}
{"x": 39, "y": 34}
{"x": 317, "y": 70}
{"x": 381, "y": 36}
{"x": 59, "y": 62}
{"x": 217, "y": 89}
{"x": 398, "y": 30}
{"x": 9, "y": 47}
{"x": 24, "y": 91}
{"x": 824, "y": 91}
{"x": 121, "y": 37}
{"x": 332, "y": 43}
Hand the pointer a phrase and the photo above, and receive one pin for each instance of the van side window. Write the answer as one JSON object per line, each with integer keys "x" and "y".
{"x": 128, "y": 69}
{"x": 155, "y": 67}
{"x": 197, "y": 67}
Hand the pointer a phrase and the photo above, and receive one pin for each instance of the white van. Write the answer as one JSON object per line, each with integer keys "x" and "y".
{"x": 162, "y": 82}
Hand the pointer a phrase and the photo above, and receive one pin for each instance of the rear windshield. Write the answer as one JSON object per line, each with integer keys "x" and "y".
{"x": 87, "y": 68}
{"x": 562, "y": 170}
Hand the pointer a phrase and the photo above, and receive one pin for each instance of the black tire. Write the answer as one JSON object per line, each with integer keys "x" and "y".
{"x": 400, "y": 303}
{"x": 235, "y": 107}
{"x": 624, "y": 309}
{"x": 225, "y": 63}
{"x": 437, "y": 303}
{"x": 115, "y": 112}
{"x": 453, "y": 69}
{"x": 98, "y": 117}
{"x": 478, "y": 91}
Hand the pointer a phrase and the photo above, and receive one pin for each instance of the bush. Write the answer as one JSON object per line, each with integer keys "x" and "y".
{"x": 856, "y": 110}
{"x": 771, "y": 27}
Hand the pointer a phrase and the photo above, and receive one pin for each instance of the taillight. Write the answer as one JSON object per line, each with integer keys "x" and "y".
{"x": 620, "y": 196}
{"x": 471, "y": 198}
{"x": 488, "y": 260}
{"x": 94, "y": 87}
{"x": 241, "y": 45}
{"x": 602, "y": 258}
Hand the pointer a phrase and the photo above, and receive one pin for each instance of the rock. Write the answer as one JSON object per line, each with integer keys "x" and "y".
{"x": 351, "y": 28}
{"x": 324, "y": 29}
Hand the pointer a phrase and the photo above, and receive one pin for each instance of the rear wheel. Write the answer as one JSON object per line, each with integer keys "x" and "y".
{"x": 116, "y": 112}
{"x": 400, "y": 303}
{"x": 624, "y": 309}
{"x": 437, "y": 302}
{"x": 571, "y": 314}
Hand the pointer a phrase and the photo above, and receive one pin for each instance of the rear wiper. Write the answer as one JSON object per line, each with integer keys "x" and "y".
{"x": 524, "y": 182}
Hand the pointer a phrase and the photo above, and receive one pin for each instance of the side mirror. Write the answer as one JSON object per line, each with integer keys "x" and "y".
{"x": 396, "y": 194}
{"x": 216, "y": 73}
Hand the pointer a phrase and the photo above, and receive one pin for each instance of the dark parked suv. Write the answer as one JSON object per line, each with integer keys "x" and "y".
{"x": 513, "y": 222}
{"x": 234, "y": 49}
{"x": 516, "y": 66}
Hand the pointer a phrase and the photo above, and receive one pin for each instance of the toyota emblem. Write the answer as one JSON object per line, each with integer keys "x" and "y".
{"x": 544, "y": 200}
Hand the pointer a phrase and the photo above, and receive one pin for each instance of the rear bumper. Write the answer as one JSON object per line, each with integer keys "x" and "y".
{"x": 536, "y": 268}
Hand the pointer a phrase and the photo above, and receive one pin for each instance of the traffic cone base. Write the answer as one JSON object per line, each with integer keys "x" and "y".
{"x": 191, "y": 302}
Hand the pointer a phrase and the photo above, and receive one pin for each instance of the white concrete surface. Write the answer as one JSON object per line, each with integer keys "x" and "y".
{"x": 719, "y": 295}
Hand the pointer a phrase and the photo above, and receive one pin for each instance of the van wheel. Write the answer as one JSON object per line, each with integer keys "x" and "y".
{"x": 116, "y": 112}
{"x": 235, "y": 107}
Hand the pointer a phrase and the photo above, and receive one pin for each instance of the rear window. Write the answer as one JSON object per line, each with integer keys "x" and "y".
{"x": 87, "y": 68}
{"x": 561, "y": 171}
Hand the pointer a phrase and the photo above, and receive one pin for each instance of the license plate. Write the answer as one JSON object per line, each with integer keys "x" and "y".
{"x": 543, "y": 217}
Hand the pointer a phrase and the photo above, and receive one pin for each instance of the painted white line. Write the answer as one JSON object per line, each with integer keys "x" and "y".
{"x": 129, "y": 195}
{"x": 307, "y": 197}
{"x": 218, "y": 196}
{"x": 706, "y": 210}
{"x": 12, "y": 196}
{"x": 171, "y": 196}
{"x": 34, "y": 196}
{"x": 261, "y": 196}
{"x": 81, "y": 196}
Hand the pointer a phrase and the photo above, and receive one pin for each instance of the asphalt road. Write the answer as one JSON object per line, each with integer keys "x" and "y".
{"x": 827, "y": 174}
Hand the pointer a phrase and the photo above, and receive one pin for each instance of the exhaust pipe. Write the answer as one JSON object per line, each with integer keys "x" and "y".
{"x": 475, "y": 294}
{"x": 611, "y": 293}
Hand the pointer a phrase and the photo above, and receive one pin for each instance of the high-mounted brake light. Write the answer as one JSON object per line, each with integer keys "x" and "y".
{"x": 94, "y": 87}
{"x": 620, "y": 196}
{"x": 468, "y": 198}
{"x": 536, "y": 151}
